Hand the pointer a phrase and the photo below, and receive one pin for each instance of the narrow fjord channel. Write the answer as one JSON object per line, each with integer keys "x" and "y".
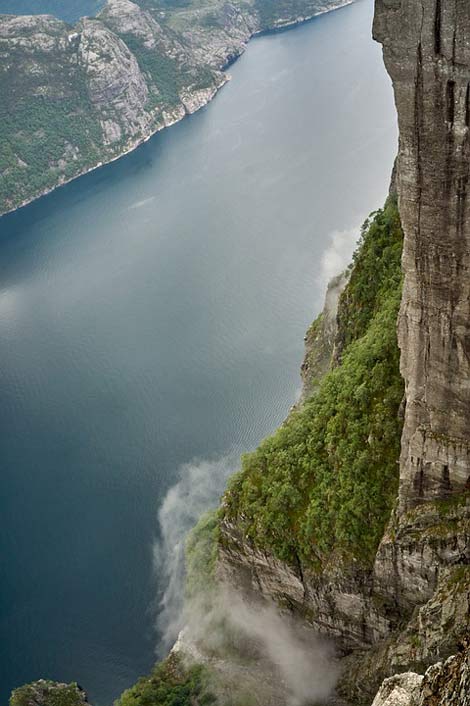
{"x": 152, "y": 313}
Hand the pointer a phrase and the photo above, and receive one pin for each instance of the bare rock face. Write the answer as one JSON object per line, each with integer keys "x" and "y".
{"x": 444, "y": 684}
{"x": 400, "y": 690}
{"x": 448, "y": 683}
{"x": 417, "y": 548}
{"x": 31, "y": 32}
{"x": 427, "y": 54}
{"x": 128, "y": 20}
{"x": 115, "y": 84}
{"x": 335, "y": 603}
{"x": 126, "y": 17}
{"x": 224, "y": 37}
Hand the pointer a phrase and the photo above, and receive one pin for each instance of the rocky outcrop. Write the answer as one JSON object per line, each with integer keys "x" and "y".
{"x": 425, "y": 555}
{"x": 126, "y": 17}
{"x": 220, "y": 39}
{"x": 426, "y": 52}
{"x": 399, "y": 690}
{"x": 418, "y": 546}
{"x": 444, "y": 684}
{"x": 448, "y": 683}
{"x": 48, "y": 693}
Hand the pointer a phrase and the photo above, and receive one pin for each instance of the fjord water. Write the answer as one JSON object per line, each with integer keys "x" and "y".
{"x": 153, "y": 312}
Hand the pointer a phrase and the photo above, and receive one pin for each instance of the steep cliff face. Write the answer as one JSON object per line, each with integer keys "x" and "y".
{"x": 116, "y": 86}
{"x": 412, "y": 606}
{"x": 427, "y": 54}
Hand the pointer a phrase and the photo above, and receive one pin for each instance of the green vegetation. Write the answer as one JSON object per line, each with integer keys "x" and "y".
{"x": 163, "y": 71}
{"x": 37, "y": 135}
{"x": 375, "y": 272}
{"x": 460, "y": 579}
{"x": 318, "y": 357}
{"x": 201, "y": 555}
{"x": 47, "y": 693}
{"x": 47, "y": 132}
{"x": 323, "y": 485}
{"x": 446, "y": 506}
{"x": 170, "y": 684}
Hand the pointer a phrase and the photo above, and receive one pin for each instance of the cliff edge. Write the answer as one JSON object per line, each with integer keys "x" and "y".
{"x": 426, "y": 48}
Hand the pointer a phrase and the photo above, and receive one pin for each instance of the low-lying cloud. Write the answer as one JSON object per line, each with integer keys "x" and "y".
{"x": 301, "y": 664}
{"x": 338, "y": 254}
{"x": 200, "y": 486}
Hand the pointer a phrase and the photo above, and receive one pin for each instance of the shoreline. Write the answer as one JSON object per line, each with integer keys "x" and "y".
{"x": 282, "y": 26}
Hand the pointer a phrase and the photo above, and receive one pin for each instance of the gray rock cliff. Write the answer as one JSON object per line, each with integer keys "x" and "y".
{"x": 426, "y": 48}
{"x": 411, "y": 611}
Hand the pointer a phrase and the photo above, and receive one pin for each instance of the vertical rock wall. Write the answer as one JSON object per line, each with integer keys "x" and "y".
{"x": 426, "y": 46}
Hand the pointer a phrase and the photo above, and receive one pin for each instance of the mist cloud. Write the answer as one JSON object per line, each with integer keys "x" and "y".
{"x": 258, "y": 651}
{"x": 200, "y": 486}
{"x": 287, "y": 662}
{"x": 338, "y": 254}
{"x": 304, "y": 662}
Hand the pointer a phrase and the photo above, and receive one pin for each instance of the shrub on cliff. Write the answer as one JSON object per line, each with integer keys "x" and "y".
{"x": 201, "y": 555}
{"x": 170, "y": 684}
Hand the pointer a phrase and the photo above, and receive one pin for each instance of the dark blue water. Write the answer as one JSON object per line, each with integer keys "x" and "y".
{"x": 68, "y": 10}
{"x": 154, "y": 312}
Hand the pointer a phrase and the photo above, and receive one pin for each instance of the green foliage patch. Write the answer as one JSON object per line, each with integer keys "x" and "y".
{"x": 324, "y": 484}
{"x": 165, "y": 73}
{"x": 375, "y": 272}
{"x": 170, "y": 684}
{"x": 37, "y": 134}
{"x": 47, "y": 693}
{"x": 201, "y": 555}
